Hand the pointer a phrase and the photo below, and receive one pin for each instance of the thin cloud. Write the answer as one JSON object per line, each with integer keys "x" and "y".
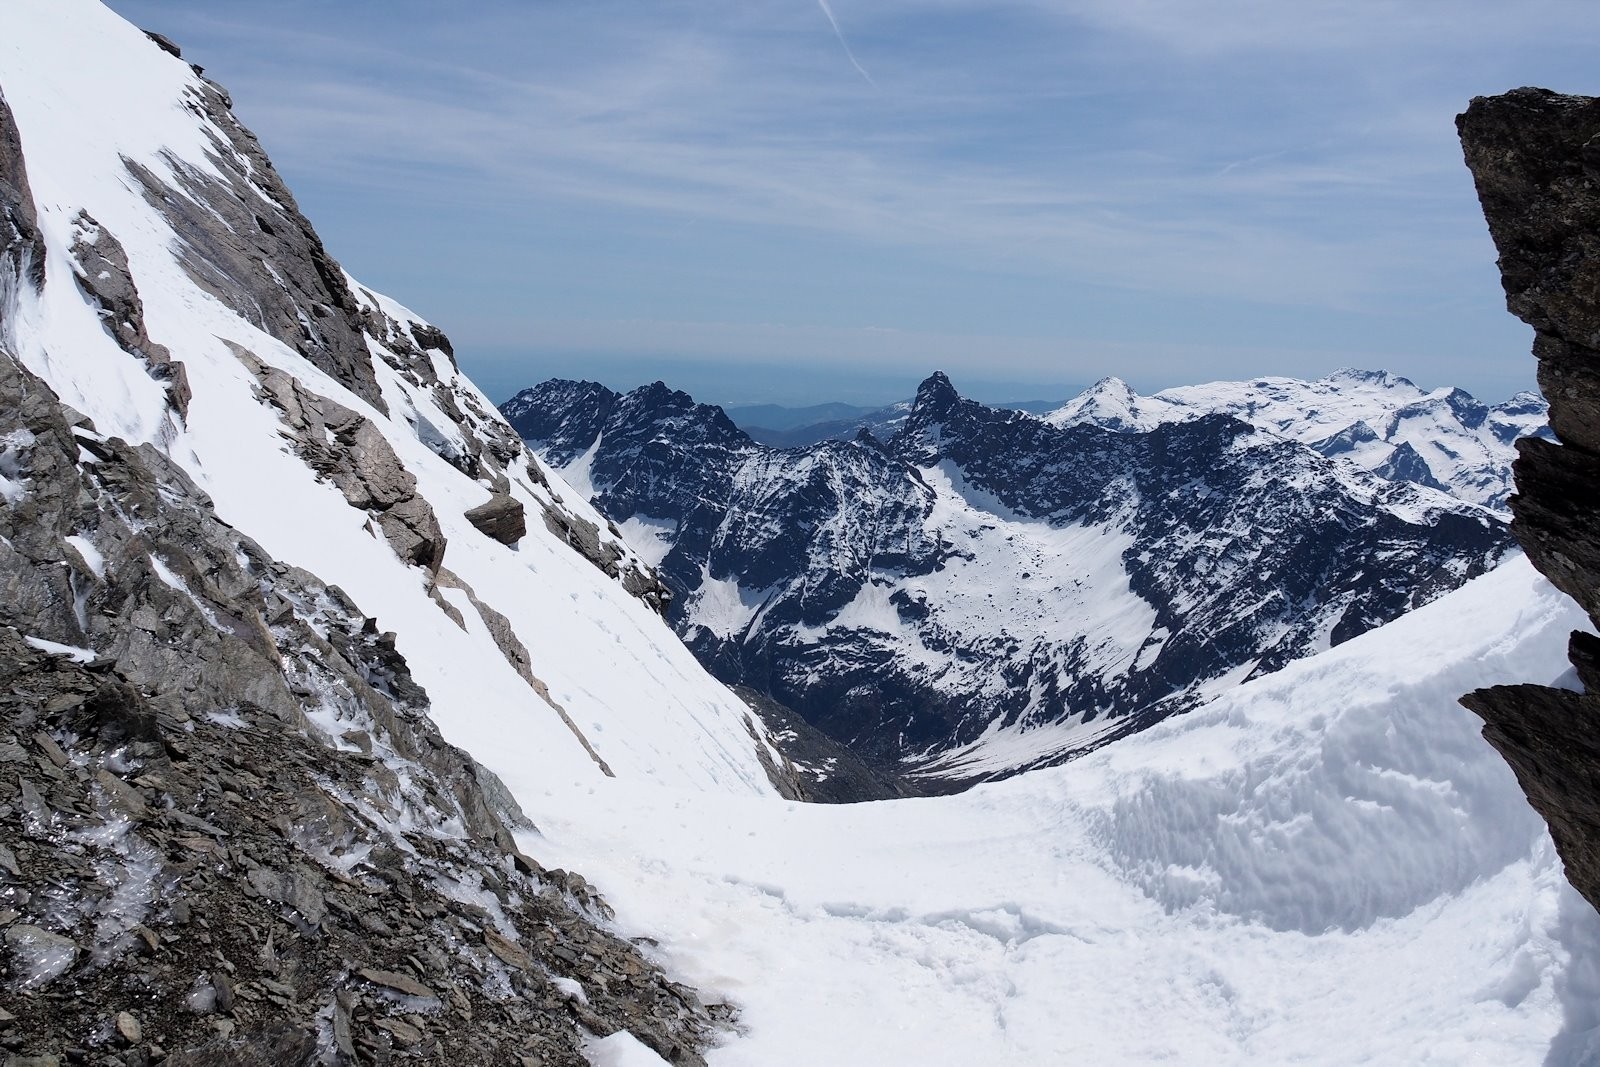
{"x": 837, "y": 32}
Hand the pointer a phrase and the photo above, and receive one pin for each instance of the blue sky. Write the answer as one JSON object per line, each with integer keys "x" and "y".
{"x": 798, "y": 201}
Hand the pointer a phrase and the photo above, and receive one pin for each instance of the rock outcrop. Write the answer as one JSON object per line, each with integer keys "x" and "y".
{"x": 21, "y": 246}
{"x": 501, "y": 517}
{"x": 101, "y": 266}
{"x": 241, "y": 215}
{"x": 1535, "y": 156}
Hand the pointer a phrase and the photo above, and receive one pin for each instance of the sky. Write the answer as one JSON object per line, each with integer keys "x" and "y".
{"x": 795, "y": 201}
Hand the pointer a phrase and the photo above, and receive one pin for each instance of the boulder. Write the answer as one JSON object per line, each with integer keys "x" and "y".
{"x": 502, "y": 517}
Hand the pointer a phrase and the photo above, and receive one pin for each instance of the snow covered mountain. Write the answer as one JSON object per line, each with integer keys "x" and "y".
{"x": 267, "y": 556}
{"x": 1379, "y": 422}
{"x": 986, "y": 591}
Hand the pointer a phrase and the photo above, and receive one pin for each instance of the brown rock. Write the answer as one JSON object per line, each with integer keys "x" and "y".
{"x": 399, "y": 982}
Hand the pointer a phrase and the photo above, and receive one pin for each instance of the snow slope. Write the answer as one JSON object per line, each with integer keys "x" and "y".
{"x": 89, "y": 92}
{"x": 1324, "y": 866}
{"x": 1378, "y": 421}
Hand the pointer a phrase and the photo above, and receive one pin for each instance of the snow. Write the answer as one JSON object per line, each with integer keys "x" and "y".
{"x": 577, "y": 473}
{"x": 91, "y": 555}
{"x": 39, "y": 957}
{"x": 650, "y": 537}
{"x": 1325, "y": 866}
{"x": 621, "y": 1049}
{"x": 76, "y": 652}
{"x": 1466, "y": 446}
{"x": 722, "y": 606}
{"x": 13, "y": 485}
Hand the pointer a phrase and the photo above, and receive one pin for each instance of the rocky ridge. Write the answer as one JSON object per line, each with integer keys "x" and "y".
{"x": 1535, "y": 157}
{"x": 985, "y": 571}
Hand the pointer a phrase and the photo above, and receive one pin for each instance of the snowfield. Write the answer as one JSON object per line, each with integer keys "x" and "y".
{"x": 1325, "y": 866}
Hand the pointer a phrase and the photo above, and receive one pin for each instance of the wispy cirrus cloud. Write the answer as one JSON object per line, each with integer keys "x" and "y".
{"x": 1195, "y": 161}
{"x": 844, "y": 44}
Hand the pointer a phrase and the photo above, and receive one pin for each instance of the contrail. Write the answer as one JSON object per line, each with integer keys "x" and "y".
{"x": 837, "y": 32}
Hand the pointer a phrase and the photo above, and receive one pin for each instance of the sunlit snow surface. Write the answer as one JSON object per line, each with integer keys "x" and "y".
{"x": 1326, "y": 866}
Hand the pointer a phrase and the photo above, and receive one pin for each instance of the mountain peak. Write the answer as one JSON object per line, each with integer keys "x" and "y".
{"x": 936, "y": 396}
{"x": 1111, "y": 384}
{"x": 1375, "y": 377}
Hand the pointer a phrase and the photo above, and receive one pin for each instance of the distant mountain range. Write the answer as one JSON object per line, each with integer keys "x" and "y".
{"x": 985, "y": 590}
{"x": 1380, "y": 422}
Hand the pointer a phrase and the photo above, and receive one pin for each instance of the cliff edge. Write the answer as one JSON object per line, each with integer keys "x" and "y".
{"x": 1535, "y": 156}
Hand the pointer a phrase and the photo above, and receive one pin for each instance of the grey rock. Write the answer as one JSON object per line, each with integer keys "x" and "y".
{"x": 276, "y": 1045}
{"x": 299, "y": 888}
{"x": 233, "y": 223}
{"x": 501, "y": 517}
{"x": 403, "y": 1032}
{"x": 101, "y": 267}
{"x": 21, "y": 244}
{"x": 351, "y": 452}
{"x": 122, "y": 795}
{"x": 396, "y": 981}
{"x": 165, "y": 43}
{"x": 47, "y": 745}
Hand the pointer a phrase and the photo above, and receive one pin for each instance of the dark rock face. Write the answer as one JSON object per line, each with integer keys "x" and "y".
{"x": 1535, "y": 156}
{"x": 501, "y": 517}
{"x": 856, "y": 581}
{"x": 165, "y": 43}
{"x": 821, "y": 769}
{"x": 229, "y": 831}
{"x": 21, "y": 246}
{"x": 231, "y": 225}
